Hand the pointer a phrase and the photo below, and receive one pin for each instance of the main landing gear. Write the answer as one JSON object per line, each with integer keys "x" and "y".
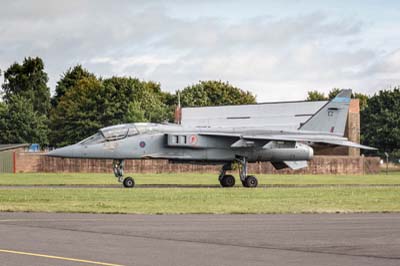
{"x": 118, "y": 167}
{"x": 229, "y": 181}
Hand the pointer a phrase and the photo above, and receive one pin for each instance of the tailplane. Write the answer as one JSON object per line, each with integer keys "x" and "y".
{"x": 332, "y": 117}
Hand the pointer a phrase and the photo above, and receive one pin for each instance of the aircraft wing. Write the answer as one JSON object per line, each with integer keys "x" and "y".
{"x": 284, "y": 137}
{"x": 348, "y": 144}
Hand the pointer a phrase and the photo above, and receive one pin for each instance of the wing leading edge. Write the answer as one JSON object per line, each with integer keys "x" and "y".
{"x": 247, "y": 139}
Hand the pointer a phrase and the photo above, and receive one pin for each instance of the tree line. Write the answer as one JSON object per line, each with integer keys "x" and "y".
{"x": 83, "y": 103}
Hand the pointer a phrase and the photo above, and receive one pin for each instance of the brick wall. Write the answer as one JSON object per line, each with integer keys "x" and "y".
{"x": 353, "y": 126}
{"x": 36, "y": 162}
{"x": 28, "y": 162}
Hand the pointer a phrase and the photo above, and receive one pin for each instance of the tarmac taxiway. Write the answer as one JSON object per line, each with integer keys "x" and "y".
{"x": 108, "y": 239}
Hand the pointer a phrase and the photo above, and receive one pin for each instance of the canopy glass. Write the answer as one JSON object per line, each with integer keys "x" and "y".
{"x": 119, "y": 131}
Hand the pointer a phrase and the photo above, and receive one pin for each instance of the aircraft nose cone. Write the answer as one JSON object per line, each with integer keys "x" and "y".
{"x": 67, "y": 151}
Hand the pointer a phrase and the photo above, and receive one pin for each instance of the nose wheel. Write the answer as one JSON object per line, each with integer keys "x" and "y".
{"x": 129, "y": 182}
{"x": 118, "y": 168}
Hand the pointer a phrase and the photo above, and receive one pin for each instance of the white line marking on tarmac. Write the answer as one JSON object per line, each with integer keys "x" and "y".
{"x": 57, "y": 257}
{"x": 53, "y": 220}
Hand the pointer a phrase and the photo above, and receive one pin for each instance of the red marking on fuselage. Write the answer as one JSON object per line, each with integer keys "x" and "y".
{"x": 193, "y": 139}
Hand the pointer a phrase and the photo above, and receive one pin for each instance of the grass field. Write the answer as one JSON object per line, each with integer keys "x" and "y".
{"x": 330, "y": 198}
{"x": 202, "y": 200}
{"x": 191, "y": 179}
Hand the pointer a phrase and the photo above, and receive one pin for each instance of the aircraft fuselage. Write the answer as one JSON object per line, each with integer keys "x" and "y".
{"x": 177, "y": 143}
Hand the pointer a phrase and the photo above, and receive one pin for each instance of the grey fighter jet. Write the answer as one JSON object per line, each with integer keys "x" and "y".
{"x": 217, "y": 145}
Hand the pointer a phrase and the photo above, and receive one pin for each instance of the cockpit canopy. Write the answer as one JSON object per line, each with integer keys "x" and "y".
{"x": 119, "y": 132}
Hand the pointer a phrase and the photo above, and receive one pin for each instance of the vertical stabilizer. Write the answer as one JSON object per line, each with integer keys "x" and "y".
{"x": 332, "y": 117}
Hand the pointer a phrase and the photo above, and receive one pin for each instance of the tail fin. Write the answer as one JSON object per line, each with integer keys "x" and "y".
{"x": 332, "y": 116}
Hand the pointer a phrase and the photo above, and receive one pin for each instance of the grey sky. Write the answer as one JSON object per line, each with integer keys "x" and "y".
{"x": 277, "y": 49}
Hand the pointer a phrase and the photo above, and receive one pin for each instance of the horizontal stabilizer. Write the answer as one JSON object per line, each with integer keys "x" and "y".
{"x": 349, "y": 144}
{"x": 279, "y": 165}
{"x": 295, "y": 165}
{"x": 313, "y": 139}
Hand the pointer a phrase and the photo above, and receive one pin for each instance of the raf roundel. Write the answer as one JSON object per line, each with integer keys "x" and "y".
{"x": 142, "y": 144}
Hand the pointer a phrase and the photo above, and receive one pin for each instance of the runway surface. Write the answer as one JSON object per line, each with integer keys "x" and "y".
{"x": 89, "y": 239}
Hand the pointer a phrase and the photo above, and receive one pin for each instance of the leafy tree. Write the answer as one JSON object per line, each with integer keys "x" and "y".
{"x": 68, "y": 80}
{"x": 20, "y": 123}
{"x": 28, "y": 80}
{"x": 151, "y": 102}
{"x": 78, "y": 112}
{"x": 333, "y": 92}
{"x": 3, "y": 122}
{"x": 130, "y": 97}
{"x": 380, "y": 121}
{"x": 171, "y": 101}
{"x": 363, "y": 100}
{"x": 135, "y": 113}
{"x": 92, "y": 104}
{"x": 115, "y": 96}
{"x": 315, "y": 96}
{"x": 211, "y": 93}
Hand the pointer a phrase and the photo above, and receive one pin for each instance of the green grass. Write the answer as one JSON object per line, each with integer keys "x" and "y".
{"x": 326, "y": 199}
{"x": 202, "y": 200}
{"x": 191, "y": 179}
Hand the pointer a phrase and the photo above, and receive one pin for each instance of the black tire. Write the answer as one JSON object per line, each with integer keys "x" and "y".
{"x": 227, "y": 181}
{"x": 129, "y": 182}
{"x": 251, "y": 181}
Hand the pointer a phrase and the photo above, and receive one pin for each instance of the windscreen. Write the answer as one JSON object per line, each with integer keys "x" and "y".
{"x": 96, "y": 138}
{"x": 118, "y": 132}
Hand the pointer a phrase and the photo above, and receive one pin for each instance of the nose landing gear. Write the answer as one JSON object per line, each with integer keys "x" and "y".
{"x": 118, "y": 168}
{"x": 129, "y": 182}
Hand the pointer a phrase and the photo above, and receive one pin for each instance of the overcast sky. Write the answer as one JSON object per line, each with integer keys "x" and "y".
{"x": 276, "y": 49}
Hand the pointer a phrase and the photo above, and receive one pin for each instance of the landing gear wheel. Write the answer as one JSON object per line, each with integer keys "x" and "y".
{"x": 250, "y": 181}
{"x": 227, "y": 181}
{"x": 129, "y": 182}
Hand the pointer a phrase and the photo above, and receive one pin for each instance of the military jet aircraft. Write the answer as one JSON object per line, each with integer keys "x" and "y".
{"x": 217, "y": 145}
